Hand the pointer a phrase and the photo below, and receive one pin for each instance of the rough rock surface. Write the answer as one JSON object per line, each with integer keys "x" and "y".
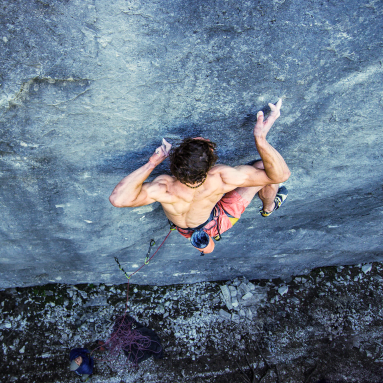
{"x": 89, "y": 88}
{"x": 327, "y": 325}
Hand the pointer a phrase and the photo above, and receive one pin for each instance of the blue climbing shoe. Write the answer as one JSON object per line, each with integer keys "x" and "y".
{"x": 279, "y": 199}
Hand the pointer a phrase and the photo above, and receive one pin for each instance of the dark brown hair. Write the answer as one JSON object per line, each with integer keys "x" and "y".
{"x": 192, "y": 159}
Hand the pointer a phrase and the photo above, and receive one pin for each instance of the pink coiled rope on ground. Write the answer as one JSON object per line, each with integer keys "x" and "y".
{"x": 135, "y": 345}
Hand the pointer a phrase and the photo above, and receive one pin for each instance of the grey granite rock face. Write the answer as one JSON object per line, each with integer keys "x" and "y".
{"x": 89, "y": 88}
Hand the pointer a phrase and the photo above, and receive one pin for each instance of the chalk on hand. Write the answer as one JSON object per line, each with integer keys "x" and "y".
{"x": 166, "y": 147}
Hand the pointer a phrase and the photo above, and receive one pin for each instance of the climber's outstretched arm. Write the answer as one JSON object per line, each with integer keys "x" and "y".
{"x": 275, "y": 166}
{"x": 133, "y": 191}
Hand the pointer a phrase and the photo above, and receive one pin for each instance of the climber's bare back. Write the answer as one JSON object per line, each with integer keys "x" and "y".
{"x": 190, "y": 207}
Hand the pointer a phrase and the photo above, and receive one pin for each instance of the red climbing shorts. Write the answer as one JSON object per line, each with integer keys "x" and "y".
{"x": 231, "y": 205}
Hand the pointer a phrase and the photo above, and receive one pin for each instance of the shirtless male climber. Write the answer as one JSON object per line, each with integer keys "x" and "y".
{"x": 202, "y": 199}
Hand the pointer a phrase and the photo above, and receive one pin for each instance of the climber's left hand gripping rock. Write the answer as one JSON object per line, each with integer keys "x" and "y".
{"x": 160, "y": 153}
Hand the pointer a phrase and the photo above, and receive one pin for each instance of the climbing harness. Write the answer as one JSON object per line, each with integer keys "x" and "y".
{"x": 199, "y": 236}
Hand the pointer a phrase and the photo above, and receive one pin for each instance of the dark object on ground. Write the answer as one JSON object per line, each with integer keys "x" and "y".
{"x": 137, "y": 354}
{"x": 86, "y": 367}
{"x": 137, "y": 342}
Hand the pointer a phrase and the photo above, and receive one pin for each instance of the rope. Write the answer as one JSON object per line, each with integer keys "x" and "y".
{"x": 145, "y": 263}
{"x": 147, "y": 260}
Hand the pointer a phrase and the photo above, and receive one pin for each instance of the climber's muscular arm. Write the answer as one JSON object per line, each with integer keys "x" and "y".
{"x": 248, "y": 176}
{"x": 275, "y": 166}
{"x": 241, "y": 176}
{"x": 133, "y": 191}
{"x": 275, "y": 169}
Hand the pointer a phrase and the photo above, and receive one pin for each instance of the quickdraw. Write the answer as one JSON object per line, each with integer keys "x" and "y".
{"x": 172, "y": 226}
{"x": 151, "y": 244}
{"x": 122, "y": 269}
{"x": 147, "y": 259}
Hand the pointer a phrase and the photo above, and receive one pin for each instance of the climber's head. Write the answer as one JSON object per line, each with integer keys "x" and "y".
{"x": 192, "y": 159}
